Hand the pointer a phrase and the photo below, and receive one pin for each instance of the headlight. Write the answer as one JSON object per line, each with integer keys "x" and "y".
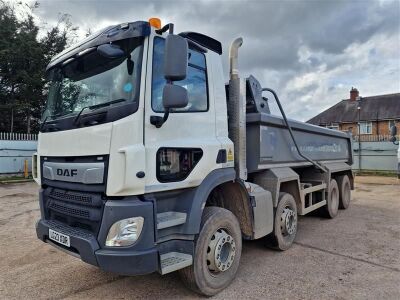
{"x": 124, "y": 232}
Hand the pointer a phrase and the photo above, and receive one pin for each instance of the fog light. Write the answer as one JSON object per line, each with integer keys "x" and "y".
{"x": 124, "y": 232}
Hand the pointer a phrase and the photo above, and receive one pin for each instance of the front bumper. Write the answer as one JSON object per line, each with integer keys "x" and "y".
{"x": 140, "y": 258}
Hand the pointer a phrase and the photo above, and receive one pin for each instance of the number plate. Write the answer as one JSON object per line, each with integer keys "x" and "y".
{"x": 59, "y": 238}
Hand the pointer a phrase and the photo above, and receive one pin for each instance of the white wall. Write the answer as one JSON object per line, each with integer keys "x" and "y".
{"x": 379, "y": 156}
{"x": 13, "y": 155}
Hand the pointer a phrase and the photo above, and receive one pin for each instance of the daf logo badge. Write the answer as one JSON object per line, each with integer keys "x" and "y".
{"x": 67, "y": 172}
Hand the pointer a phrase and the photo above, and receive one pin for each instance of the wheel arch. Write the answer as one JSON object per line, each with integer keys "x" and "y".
{"x": 233, "y": 196}
{"x": 278, "y": 180}
{"x": 292, "y": 187}
{"x": 349, "y": 173}
{"x": 202, "y": 193}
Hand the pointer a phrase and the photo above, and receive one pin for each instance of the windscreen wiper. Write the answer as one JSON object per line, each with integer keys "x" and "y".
{"x": 45, "y": 121}
{"x": 94, "y": 107}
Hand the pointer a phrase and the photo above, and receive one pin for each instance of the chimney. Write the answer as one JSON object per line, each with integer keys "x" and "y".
{"x": 354, "y": 94}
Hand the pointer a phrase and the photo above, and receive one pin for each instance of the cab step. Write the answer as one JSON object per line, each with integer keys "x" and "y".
{"x": 170, "y": 219}
{"x": 173, "y": 261}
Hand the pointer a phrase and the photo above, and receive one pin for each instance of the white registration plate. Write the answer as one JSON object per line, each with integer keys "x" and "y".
{"x": 59, "y": 238}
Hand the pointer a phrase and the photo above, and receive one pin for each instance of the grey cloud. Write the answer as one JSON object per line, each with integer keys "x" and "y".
{"x": 354, "y": 22}
{"x": 273, "y": 31}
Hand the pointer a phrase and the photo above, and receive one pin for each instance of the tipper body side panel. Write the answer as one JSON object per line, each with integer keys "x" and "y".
{"x": 270, "y": 145}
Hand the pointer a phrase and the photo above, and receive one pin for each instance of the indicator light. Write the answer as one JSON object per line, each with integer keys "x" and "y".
{"x": 155, "y": 22}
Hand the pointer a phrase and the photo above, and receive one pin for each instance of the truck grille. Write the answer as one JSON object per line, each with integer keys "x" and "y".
{"x": 70, "y": 196}
{"x": 76, "y": 209}
{"x": 80, "y": 213}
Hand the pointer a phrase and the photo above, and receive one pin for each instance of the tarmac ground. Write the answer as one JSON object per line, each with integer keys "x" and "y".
{"x": 354, "y": 256}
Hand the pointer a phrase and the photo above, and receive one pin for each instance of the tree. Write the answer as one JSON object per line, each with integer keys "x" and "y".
{"x": 23, "y": 60}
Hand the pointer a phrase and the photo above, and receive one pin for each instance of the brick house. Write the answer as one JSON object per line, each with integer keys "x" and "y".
{"x": 376, "y": 114}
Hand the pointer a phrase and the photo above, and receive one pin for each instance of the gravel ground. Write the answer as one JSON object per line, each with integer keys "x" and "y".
{"x": 354, "y": 256}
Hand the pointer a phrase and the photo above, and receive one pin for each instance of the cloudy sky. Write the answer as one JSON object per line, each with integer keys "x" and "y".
{"x": 310, "y": 52}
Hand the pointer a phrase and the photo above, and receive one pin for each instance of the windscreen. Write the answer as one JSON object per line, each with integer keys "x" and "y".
{"x": 93, "y": 79}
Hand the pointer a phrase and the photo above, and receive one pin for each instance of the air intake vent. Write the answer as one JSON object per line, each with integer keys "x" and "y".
{"x": 68, "y": 196}
{"x": 68, "y": 210}
{"x": 75, "y": 197}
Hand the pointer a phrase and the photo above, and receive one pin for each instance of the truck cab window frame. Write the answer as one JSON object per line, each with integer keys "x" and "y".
{"x": 196, "y": 81}
{"x": 93, "y": 80}
{"x": 176, "y": 164}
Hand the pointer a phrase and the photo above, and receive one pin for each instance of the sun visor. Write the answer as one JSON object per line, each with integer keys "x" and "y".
{"x": 106, "y": 35}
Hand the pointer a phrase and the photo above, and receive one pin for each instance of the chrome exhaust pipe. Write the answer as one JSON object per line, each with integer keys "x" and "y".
{"x": 237, "y": 111}
{"x": 233, "y": 57}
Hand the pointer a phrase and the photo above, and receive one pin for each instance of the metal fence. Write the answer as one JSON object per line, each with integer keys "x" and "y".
{"x": 376, "y": 152}
{"x": 375, "y": 156}
{"x": 13, "y": 136}
{"x": 373, "y": 138}
{"x": 15, "y": 148}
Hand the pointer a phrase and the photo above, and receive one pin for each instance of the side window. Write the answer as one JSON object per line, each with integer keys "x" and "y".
{"x": 195, "y": 82}
{"x": 175, "y": 164}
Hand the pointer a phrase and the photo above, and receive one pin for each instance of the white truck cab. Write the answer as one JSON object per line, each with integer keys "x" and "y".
{"x": 147, "y": 161}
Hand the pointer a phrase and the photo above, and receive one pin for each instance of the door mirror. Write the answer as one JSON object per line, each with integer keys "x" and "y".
{"x": 110, "y": 51}
{"x": 174, "y": 96}
{"x": 175, "y": 58}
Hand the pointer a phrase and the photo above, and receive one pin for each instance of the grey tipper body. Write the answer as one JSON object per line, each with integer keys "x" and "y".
{"x": 134, "y": 189}
{"x": 269, "y": 143}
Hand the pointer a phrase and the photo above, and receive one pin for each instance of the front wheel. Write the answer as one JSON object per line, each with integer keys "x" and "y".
{"x": 217, "y": 253}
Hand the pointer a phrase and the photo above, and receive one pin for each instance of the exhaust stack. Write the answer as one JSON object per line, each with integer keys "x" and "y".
{"x": 237, "y": 111}
{"x": 233, "y": 57}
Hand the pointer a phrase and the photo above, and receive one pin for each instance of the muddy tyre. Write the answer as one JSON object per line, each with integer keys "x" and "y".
{"x": 332, "y": 202}
{"x": 344, "y": 191}
{"x": 217, "y": 253}
{"x": 285, "y": 223}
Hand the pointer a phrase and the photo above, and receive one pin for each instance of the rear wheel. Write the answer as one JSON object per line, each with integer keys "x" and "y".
{"x": 217, "y": 253}
{"x": 332, "y": 205}
{"x": 285, "y": 223}
{"x": 344, "y": 191}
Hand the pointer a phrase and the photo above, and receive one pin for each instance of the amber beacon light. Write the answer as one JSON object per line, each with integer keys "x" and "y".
{"x": 155, "y": 22}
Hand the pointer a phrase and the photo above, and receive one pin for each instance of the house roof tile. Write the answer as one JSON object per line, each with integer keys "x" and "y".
{"x": 382, "y": 107}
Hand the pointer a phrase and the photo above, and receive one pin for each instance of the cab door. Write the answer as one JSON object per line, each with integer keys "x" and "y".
{"x": 184, "y": 150}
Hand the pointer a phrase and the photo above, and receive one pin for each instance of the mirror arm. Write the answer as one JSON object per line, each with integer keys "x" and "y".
{"x": 166, "y": 115}
{"x": 169, "y": 27}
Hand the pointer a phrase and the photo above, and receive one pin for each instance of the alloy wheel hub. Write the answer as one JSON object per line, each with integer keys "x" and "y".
{"x": 288, "y": 221}
{"x": 221, "y": 251}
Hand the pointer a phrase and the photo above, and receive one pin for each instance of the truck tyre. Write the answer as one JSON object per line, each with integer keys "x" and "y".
{"x": 332, "y": 203}
{"x": 217, "y": 253}
{"x": 285, "y": 223}
{"x": 344, "y": 191}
